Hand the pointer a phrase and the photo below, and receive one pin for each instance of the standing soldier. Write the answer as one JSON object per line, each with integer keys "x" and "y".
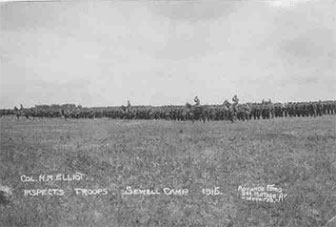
{"x": 229, "y": 112}
{"x": 17, "y": 112}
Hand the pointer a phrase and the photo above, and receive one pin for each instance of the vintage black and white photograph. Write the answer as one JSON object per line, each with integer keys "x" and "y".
{"x": 168, "y": 113}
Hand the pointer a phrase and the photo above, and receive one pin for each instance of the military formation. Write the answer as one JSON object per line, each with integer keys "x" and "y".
{"x": 230, "y": 111}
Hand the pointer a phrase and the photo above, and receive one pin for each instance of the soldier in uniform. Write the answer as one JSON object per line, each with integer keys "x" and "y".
{"x": 229, "y": 112}
{"x": 17, "y": 112}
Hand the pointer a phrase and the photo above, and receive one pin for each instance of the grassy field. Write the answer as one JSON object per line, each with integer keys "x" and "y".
{"x": 296, "y": 154}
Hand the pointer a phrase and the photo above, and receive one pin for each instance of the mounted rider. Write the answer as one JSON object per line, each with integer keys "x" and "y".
{"x": 235, "y": 101}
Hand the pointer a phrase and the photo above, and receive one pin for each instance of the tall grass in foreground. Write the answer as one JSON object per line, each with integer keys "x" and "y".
{"x": 295, "y": 154}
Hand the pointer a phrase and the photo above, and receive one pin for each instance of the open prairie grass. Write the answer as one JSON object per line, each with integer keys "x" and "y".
{"x": 297, "y": 154}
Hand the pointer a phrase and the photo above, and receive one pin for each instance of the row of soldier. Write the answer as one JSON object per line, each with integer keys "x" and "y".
{"x": 227, "y": 111}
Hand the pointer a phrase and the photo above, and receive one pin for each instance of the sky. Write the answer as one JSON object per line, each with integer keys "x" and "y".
{"x": 103, "y": 53}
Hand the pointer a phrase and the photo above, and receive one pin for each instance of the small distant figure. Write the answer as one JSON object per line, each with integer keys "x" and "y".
{"x": 235, "y": 100}
{"x": 128, "y": 103}
{"x": 197, "y": 101}
{"x": 18, "y": 112}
